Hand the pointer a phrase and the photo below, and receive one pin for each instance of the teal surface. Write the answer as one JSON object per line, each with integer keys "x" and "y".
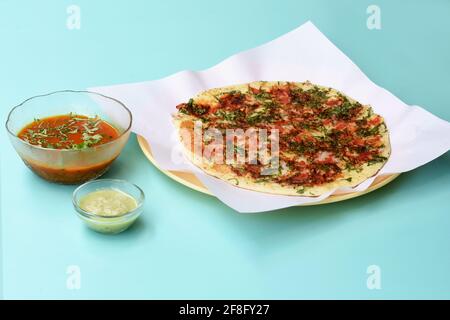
{"x": 189, "y": 245}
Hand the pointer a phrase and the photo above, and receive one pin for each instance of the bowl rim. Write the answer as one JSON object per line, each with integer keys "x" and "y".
{"x": 90, "y": 215}
{"x": 126, "y": 131}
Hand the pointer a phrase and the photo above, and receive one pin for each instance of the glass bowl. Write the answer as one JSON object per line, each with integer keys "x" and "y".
{"x": 109, "y": 224}
{"x": 68, "y": 166}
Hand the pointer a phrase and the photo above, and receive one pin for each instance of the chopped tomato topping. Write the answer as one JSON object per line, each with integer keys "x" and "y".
{"x": 320, "y": 137}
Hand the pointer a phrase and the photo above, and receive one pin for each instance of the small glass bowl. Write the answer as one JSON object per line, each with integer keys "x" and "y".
{"x": 68, "y": 166}
{"x": 109, "y": 224}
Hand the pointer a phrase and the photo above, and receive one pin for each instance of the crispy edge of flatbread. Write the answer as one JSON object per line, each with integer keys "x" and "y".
{"x": 224, "y": 172}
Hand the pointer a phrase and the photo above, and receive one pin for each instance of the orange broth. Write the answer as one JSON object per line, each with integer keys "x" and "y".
{"x": 68, "y": 132}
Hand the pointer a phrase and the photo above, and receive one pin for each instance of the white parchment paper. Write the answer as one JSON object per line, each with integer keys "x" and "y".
{"x": 417, "y": 136}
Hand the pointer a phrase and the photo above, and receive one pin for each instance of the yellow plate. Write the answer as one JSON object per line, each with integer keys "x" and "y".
{"x": 191, "y": 181}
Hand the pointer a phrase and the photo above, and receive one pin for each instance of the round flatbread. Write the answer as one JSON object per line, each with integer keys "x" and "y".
{"x": 309, "y": 139}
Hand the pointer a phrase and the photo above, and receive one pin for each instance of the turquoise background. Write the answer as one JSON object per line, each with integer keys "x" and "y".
{"x": 190, "y": 245}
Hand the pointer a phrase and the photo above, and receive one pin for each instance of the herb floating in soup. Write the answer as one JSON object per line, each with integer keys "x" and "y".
{"x": 71, "y": 131}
